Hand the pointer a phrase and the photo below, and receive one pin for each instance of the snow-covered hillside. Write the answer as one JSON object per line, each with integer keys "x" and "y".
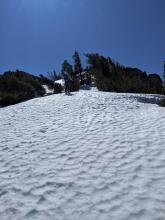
{"x": 88, "y": 156}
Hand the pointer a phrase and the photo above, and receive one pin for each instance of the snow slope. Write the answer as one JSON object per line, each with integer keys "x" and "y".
{"x": 88, "y": 156}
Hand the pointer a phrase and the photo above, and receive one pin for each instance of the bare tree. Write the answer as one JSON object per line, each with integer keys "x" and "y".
{"x": 52, "y": 75}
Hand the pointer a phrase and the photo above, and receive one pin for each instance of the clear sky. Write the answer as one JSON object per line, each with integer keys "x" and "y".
{"x": 37, "y": 35}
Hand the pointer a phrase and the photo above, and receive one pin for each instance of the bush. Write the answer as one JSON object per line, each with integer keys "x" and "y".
{"x": 14, "y": 97}
{"x": 45, "y": 81}
{"x": 19, "y": 86}
{"x": 9, "y": 99}
{"x": 161, "y": 103}
{"x": 37, "y": 87}
{"x": 58, "y": 88}
{"x": 75, "y": 85}
{"x": 163, "y": 91}
{"x": 111, "y": 76}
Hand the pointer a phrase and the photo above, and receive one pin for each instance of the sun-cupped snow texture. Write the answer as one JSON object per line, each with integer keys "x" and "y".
{"x": 88, "y": 156}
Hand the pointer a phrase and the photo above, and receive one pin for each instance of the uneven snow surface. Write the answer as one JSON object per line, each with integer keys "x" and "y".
{"x": 89, "y": 156}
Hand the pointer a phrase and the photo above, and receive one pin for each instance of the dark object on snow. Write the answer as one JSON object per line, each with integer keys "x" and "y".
{"x": 161, "y": 103}
{"x": 19, "y": 86}
{"x": 110, "y": 76}
{"x": 57, "y": 88}
{"x": 67, "y": 80}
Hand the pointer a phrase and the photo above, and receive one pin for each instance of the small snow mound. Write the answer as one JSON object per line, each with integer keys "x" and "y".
{"x": 60, "y": 81}
{"x": 47, "y": 90}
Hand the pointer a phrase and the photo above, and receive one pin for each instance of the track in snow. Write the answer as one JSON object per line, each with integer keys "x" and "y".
{"x": 89, "y": 156}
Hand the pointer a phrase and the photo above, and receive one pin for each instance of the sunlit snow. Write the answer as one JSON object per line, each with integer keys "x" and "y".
{"x": 88, "y": 156}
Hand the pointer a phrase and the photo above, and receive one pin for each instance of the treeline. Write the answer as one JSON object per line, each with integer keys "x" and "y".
{"x": 19, "y": 86}
{"x": 110, "y": 76}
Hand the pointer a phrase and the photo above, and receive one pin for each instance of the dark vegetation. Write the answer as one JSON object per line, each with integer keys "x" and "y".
{"x": 73, "y": 71}
{"x": 161, "y": 103}
{"x": 53, "y": 76}
{"x": 108, "y": 75}
{"x": 58, "y": 88}
{"x": 46, "y": 81}
{"x": 19, "y": 86}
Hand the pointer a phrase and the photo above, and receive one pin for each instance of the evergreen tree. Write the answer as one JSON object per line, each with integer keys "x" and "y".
{"x": 66, "y": 66}
{"x": 75, "y": 84}
{"x": 77, "y": 64}
{"x": 164, "y": 75}
{"x": 112, "y": 76}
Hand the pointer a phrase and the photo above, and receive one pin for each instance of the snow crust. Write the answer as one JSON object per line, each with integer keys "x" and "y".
{"x": 88, "y": 156}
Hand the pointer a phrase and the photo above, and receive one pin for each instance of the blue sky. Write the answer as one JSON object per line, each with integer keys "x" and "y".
{"x": 37, "y": 35}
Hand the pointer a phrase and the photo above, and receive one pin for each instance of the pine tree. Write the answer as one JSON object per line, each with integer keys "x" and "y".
{"x": 75, "y": 84}
{"x": 66, "y": 66}
{"x": 164, "y": 75}
{"x": 77, "y": 64}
